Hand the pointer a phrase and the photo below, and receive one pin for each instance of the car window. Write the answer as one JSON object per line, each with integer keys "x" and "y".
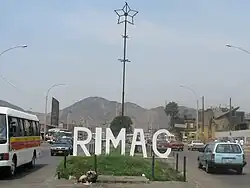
{"x": 60, "y": 144}
{"x": 208, "y": 148}
{"x": 228, "y": 148}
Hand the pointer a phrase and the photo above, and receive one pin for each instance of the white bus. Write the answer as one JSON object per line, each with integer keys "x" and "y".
{"x": 20, "y": 141}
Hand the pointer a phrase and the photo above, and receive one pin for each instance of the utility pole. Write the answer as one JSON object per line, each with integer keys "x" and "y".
{"x": 197, "y": 119}
{"x": 230, "y": 115}
{"x": 203, "y": 114}
{"x": 125, "y": 15}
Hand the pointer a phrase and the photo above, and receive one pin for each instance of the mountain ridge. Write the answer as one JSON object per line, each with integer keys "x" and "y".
{"x": 98, "y": 111}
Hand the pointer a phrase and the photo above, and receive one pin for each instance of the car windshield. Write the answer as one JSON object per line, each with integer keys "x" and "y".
{"x": 3, "y": 129}
{"x": 228, "y": 148}
{"x": 62, "y": 140}
{"x": 60, "y": 144}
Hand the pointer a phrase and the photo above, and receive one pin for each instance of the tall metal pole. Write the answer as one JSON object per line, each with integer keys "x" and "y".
{"x": 123, "y": 17}
{"x": 203, "y": 114}
{"x": 230, "y": 115}
{"x": 197, "y": 119}
{"x": 46, "y": 106}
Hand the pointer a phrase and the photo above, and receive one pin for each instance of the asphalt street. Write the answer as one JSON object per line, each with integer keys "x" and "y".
{"x": 219, "y": 179}
{"x": 42, "y": 174}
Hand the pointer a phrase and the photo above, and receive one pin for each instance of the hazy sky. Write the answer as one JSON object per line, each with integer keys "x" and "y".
{"x": 78, "y": 43}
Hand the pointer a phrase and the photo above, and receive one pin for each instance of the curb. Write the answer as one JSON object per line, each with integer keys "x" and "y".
{"x": 118, "y": 179}
{"x": 123, "y": 181}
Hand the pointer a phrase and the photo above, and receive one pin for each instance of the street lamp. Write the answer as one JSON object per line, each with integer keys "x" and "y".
{"x": 46, "y": 105}
{"x": 237, "y": 47}
{"x": 3, "y": 52}
{"x": 197, "y": 108}
{"x": 12, "y": 48}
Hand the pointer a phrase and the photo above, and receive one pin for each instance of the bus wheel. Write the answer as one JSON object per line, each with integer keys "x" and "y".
{"x": 12, "y": 168}
{"x": 32, "y": 163}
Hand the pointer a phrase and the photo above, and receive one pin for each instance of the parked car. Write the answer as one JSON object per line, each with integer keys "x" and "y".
{"x": 195, "y": 145}
{"x": 61, "y": 148}
{"x": 221, "y": 155}
{"x": 176, "y": 145}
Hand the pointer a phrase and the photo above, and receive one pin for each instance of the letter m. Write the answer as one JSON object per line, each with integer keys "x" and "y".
{"x": 115, "y": 141}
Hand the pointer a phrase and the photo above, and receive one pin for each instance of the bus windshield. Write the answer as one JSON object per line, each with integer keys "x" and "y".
{"x": 3, "y": 129}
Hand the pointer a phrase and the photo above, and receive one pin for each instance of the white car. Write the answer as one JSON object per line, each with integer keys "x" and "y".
{"x": 195, "y": 145}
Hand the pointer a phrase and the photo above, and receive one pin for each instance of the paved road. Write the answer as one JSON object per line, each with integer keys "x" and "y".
{"x": 218, "y": 180}
{"x": 42, "y": 174}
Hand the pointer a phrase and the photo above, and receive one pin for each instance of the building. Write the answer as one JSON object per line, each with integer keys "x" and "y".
{"x": 220, "y": 119}
{"x": 186, "y": 127}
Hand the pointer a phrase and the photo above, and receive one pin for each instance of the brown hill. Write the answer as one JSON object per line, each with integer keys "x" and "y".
{"x": 97, "y": 111}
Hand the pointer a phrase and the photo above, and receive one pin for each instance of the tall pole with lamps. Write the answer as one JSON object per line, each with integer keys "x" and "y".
{"x": 46, "y": 105}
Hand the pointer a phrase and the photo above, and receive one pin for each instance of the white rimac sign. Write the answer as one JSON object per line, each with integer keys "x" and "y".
{"x": 121, "y": 137}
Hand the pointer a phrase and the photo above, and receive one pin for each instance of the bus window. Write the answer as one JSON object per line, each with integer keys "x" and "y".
{"x": 21, "y": 127}
{"x": 3, "y": 129}
{"x": 27, "y": 127}
{"x": 34, "y": 128}
{"x": 37, "y": 128}
{"x": 13, "y": 127}
{"x": 31, "y": 131}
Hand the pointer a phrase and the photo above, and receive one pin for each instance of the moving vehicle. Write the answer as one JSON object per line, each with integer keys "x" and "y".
{"x": 176, "y": 145}
{"x": 66, "y": 139}
{"x": 162, "y": 145}
{"x": 61, "y": 148}
{"x": 19, "y": 139}
{"x": 195, "y": 145}
{"x": 222, "y": 155}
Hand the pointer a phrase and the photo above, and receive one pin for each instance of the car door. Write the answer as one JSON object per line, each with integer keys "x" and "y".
{"x": 202, "y": 156}
{"x": 208, "y": 153}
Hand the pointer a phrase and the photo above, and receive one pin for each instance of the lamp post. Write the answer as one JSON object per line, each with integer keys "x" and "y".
{"x": 46, "y": 105}
{"x": 197, "y": 108}
{"x": 238, "y": 48}
{"x": 7, "y": 50}
{"x": 125, "y": 15}
{"x": 12, "y": 48}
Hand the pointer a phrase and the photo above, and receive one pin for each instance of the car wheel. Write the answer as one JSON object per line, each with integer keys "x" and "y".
{"x": 239, "y": 170}
{"x": 199, "y": 164}
{"x": 208, "y": 168}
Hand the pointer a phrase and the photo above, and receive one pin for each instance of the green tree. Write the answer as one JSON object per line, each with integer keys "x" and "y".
{"x": 172, "y": 110}
{"x": 120, "y": 122}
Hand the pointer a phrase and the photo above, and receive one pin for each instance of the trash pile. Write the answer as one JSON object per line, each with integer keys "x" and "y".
{"x": 86, "y": 179}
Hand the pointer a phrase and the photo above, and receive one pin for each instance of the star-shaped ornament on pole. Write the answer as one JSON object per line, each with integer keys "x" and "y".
{"x": 126, "y": 14}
